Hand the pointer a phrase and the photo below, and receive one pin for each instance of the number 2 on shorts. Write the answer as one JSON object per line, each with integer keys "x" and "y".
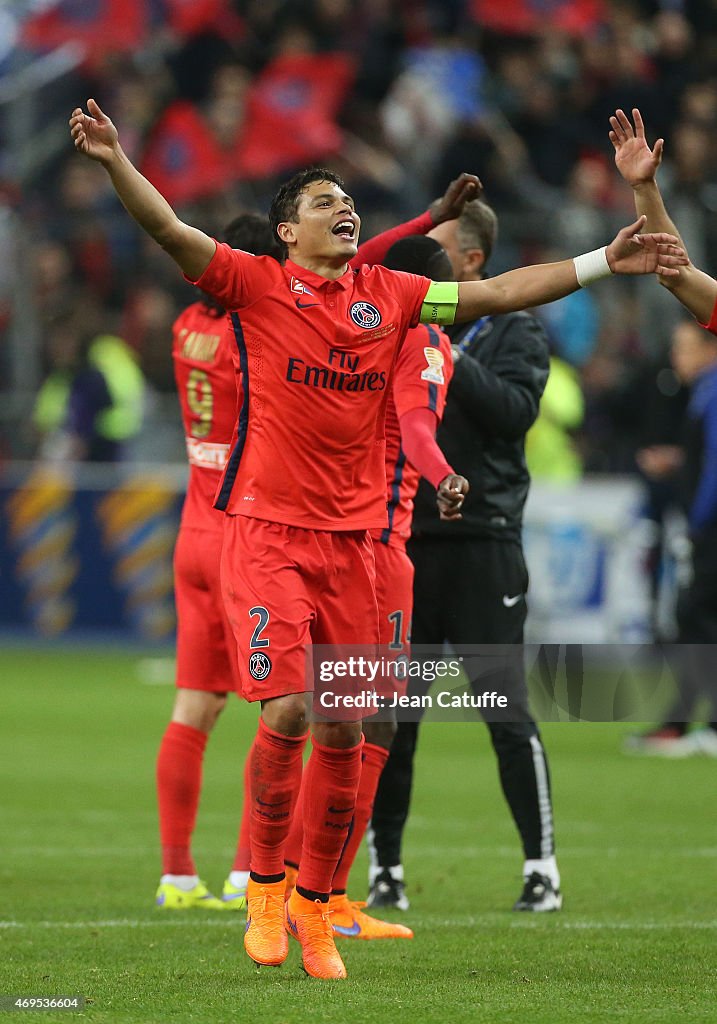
{"x": 256, "y": 638}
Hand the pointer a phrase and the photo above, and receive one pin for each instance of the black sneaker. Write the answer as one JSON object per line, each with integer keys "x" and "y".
{"x": 539, "y": 895}
{"x": 387, "y": 891}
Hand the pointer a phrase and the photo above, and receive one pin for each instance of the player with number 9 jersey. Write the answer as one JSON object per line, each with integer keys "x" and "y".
{"x": 204, "y": 373}
{"x": 207, "y": 668}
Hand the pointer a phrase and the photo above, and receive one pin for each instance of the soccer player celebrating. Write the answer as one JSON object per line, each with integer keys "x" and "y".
{"x": 415, "y": 407}
{"x": 206, "y": 652}
{"x": 305, "y": 482}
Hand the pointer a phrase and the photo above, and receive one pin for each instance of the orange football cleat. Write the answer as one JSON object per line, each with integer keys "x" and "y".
{"x": 265, "y": 938}
{"x": 350, "y": 922}
{"x": 310, "y": 922}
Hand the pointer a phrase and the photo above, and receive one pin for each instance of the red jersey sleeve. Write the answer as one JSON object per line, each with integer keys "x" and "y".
{"x": 235, "y": 278}
{"x": 423, "y": 371}
{"x": 712, "y": 325}
{"x": 418, "y": 440}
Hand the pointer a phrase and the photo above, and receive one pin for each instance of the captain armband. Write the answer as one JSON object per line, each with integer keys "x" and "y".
{"x": 440, "y": 303}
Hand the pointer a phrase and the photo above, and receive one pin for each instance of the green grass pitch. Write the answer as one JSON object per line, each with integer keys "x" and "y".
{"x": 636, "y": 941}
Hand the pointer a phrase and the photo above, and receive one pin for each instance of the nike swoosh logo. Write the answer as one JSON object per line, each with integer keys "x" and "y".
{"x": 306, "y": 305}
{"x": 267, "y": 803}
{"x": 509, "y": 602}
{"x": 291, "y": 924}
{"x": 341, "y": 810}
{"x": 355, "y": 929}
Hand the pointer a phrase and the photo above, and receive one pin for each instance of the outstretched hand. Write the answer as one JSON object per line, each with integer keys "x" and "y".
{"x": 634, "y": 159}
{"x": 656, "y": 253}
{"x": 459, "y": 192}
{"x": 93, "y": 133}
{"x": 449, "y": 496}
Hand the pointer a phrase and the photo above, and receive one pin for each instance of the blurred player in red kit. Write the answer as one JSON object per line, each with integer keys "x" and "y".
{"x": 206, "y": 651}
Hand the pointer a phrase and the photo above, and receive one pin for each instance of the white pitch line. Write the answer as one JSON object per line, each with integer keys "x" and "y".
{"x": 535, "y": 921}
{"x": 500, "y": 850}
{"x": 642, "y": 926}
{"x": 229, "y": 920}
{"x": 566, "y": 852}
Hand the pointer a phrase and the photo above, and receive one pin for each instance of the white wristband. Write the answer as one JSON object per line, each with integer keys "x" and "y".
{"x": 592, "y": 266}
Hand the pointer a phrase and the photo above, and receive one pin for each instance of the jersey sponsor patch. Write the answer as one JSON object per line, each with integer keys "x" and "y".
{"x": 259, "y": 665}
{"x": 365, "y": 315}
{"x": 434, "y": 370}
{"x": 206, "y": 454}
{"x": 299, "y": 288}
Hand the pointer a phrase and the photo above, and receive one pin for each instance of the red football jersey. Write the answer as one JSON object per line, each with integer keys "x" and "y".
{"x": 423, "y": 372}
{"x": 207, "y": 387}
{"x": 316, "y": 359}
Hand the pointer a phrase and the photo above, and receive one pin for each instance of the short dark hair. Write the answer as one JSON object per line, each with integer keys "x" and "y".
{"x": 252, "y": 233}
{"x": 285, "y": 204}
{"x": 419, "y": 254}
{"x": 477, "y": 227}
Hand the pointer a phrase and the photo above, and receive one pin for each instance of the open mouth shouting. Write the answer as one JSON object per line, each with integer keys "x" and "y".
{"x": 345, "y": 230}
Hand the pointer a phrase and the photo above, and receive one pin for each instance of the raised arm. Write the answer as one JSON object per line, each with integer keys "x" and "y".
{"x": 638, "y": 165}
{"x": 628, "y": 253}
{"x": 96, "y": 137}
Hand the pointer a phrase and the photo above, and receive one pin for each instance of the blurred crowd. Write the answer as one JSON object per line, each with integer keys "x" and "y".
{"x": 218, "y": 101}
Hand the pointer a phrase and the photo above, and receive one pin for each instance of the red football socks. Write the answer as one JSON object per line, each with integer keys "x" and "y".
{"x": 179, "y": 783}
{"x": 331, "y": 781}
{"x": 275, "y": 763}
{"x": 295, "y": 839}
{"x": 373, "y": 758}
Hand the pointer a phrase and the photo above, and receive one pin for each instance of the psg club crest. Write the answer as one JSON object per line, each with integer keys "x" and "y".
{"x": 365, "y": 315}
{"x": 434, "y": 370}
{"x": 259, "y": 665}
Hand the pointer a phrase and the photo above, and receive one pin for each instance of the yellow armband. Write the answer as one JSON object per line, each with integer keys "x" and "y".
{"x": 440, "y": 303}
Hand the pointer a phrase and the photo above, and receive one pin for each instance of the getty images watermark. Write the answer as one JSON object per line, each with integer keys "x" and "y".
{"x": 384, "y": 683}
{"x": 507, "y": 682}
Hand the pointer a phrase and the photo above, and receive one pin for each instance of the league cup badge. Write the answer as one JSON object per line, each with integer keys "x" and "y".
{"x": 434, "y": 370}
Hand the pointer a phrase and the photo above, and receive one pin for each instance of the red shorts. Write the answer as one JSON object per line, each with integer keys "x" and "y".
{"x": 394, "y": 594}
{"x": 206, "y": 649}
{"x": 285, "y": 588}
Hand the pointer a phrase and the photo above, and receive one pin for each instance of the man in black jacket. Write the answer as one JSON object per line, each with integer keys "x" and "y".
{"x": 471, "y": 579}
